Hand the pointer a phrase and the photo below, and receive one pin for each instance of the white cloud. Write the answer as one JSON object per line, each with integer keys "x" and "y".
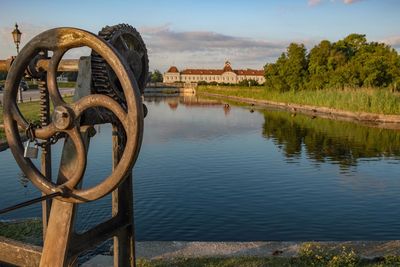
{"x": 393, "y": 41}
{"x": 313, "y": 2}
{"x": 185, "y": 49}
{"x": 348, "y": 2}
{"x": 317, "y": 2}
{"x": 28, "y": 30}
{"x": 206, "y": 49}
{"x": 7, "y": 47}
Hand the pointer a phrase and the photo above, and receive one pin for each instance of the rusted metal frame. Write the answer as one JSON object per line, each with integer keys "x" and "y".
{"x": 18, "y": 253}
{"x": 60, "y": 40}
{"x": 62, "y": 215}
{"x": 60, "y": 228}
{"x": 46, "y": 150}
{"x": 66, "y": 65}
{"x": 122, "y": 205}
{"x": 124, "y": 241}
{"x": 96, "y": 235}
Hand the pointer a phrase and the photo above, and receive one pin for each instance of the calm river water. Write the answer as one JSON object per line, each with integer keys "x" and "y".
{"x": 211, "y": 173}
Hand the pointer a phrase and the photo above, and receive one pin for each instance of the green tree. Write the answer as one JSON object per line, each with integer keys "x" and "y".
{"x": 318, "y": 65}
{"x": 295, "y": 67}
{"x": 290, "y": 70}
{"x": 275, "y": 76}
{"x": 156, "y": 76}
{"x": 350, "y": 62}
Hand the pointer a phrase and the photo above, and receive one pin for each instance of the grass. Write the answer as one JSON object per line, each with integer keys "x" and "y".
{"x": 25, "y": 231}
{"x": 66, "y": 84}
{"x": 335, "y": 261}
{"x": 310, "y": 254}
{"x": 379, "y": 101}
{"x": 30, "y": 111}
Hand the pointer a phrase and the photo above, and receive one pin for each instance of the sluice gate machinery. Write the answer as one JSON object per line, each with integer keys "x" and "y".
{"x": 109, "y": 89}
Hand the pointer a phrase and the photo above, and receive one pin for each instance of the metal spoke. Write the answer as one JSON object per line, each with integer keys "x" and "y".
{"x": 79, "y": 162}
{"x": 45, "y": 132}
{"x": 55, "y": 95}
{"x": 100, "y": 101}
{"x": 19, "y": 118}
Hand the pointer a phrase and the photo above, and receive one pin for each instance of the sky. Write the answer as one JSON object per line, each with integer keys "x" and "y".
{"x": 204, "y": 34}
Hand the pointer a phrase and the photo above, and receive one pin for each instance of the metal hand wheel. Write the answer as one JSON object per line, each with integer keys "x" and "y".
{"x": 66, "y": 117}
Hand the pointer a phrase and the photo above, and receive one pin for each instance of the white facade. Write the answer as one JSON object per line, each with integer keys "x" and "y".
{"x": 225, "y": 75}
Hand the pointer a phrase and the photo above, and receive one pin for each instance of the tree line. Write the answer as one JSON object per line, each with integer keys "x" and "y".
{"x": 351, "y": 62}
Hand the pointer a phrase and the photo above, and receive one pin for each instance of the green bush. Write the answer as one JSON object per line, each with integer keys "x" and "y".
{"x": 316, "y": 255}
{"x": 351, "y": 62}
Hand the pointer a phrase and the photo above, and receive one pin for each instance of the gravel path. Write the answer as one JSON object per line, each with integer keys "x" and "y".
{"x": 177, "y": 249}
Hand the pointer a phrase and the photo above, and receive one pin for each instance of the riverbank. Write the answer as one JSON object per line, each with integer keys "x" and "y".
{"x": 193, "y": 253}
{"x": 257, "y": 254}
{"x": 300, "y": 103}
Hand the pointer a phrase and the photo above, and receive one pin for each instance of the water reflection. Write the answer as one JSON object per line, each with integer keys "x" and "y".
{"x": 323, "y": 140}
{"x": 212, "y": 172}
{"x": 23, "y": 179}
{"x": 187, "y": 101}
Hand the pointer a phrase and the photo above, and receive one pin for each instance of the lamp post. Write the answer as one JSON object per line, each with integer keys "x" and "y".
{"x": 16, "y": 34}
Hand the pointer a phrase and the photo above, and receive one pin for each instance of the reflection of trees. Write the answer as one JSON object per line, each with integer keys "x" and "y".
{"x": 323, "y": 139}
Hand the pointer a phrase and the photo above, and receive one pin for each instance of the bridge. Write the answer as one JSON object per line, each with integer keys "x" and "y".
{"x": 170, "y": 88}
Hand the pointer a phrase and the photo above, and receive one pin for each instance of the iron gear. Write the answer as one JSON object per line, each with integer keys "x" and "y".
{"x": 128, "y": 42}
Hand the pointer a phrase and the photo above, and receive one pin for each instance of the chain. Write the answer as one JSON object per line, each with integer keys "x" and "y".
{"x": 30, "y": 134}
{"x": 51, "y": 141}
{"x": 30, "y": 131}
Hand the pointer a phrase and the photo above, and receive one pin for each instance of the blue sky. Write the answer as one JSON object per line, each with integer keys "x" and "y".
{"x": 205, "y": 33}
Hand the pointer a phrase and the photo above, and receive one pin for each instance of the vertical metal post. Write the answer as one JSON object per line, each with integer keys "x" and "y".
{"x": 122, "y": 205}
{"x": 46, "y": 151}
{"x": 62, "y": 215}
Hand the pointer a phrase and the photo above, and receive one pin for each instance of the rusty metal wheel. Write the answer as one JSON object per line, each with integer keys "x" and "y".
{"x": 66, "y": 117}
{"x": 130, "y": 45}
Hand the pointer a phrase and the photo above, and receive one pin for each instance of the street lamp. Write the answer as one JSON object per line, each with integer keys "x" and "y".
{"x": 16, "y": 34}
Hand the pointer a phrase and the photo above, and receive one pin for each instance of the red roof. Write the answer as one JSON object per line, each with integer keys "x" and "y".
{"x": 248, "y": 72}
{"x": 227, "y": 68}
{"x": 173, "y": 69}
{"x": 202, "y": 71}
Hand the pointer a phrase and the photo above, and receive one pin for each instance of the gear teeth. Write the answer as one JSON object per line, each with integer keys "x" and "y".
{"x": 100, "y": 69}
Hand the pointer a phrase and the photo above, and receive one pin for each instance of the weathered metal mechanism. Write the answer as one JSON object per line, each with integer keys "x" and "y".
{"x": 116, "y": 70}
{"x": 129, "y": 43}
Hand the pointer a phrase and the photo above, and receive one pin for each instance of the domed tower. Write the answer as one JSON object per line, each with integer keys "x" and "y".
{"x": 172, "y": 75}
{"x": 227, "y": 66}
{"x": 173, "y": 69}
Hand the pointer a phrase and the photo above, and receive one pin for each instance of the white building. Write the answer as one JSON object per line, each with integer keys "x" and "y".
{"x": 225, "y": 75}
{"x": 62, "y": 78}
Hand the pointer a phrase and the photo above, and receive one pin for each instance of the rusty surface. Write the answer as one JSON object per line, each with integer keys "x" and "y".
{"x": 122, "y": 205}
{"x": 19, "y": 254}
{"x": 61, "y": 244}
{"x": 129, "y": 43}
{"x": 46, "y": 149}
{"x": 59, "y": 41}
{"x": 66, "y": 65}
